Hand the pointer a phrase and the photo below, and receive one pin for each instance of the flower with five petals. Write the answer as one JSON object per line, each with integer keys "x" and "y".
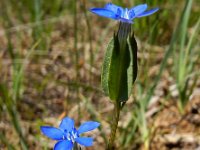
{"x": 123, "y": 14}
{"x": 67, "y": 135}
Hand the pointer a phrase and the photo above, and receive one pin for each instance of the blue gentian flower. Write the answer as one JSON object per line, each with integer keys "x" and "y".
{"x": 123, "y": 14}
{"x": 67, "y": 135}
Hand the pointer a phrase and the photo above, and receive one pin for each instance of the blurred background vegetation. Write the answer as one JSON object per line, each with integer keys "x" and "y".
{"x": 51, "y": 54}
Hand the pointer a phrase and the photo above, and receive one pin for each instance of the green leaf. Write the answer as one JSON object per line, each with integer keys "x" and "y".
{"x": 119, "y": 68}
{"x": 106, "y": 66}
{"x": 132, "y": 70}
{"x": 117, "y": 72}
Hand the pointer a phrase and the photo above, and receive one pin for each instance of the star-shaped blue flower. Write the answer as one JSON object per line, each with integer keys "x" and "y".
{"x": 67, "y": 134}
{"x": 123, "y": 14}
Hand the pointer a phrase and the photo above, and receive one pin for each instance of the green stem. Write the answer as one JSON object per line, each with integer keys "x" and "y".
{"x": 76, "y": 52}
{"x": 87, "y": 19}
{"x": 180, "y": 107}
{"x": 76, "y": 147}
{"x": 114, "y": 125}
{"x": 76, "y": 39}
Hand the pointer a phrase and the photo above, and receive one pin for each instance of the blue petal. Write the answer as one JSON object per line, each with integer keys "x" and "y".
{"x": 147, "y": 13}
{"x": 104, "y": 13}
{"x": 137, "y": 10}
{"x": 51, "y": 132}
{"x": 88, "y": 126}
{"x": 86, "y": 141}
{"x": 63, "y": 145}
{"x": 67, "y": 124}
{"x": 113, "y": 8}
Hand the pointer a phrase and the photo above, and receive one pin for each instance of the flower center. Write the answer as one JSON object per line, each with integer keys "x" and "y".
{"x": 70, "y": 135}
{"x": 125, "y": 15}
